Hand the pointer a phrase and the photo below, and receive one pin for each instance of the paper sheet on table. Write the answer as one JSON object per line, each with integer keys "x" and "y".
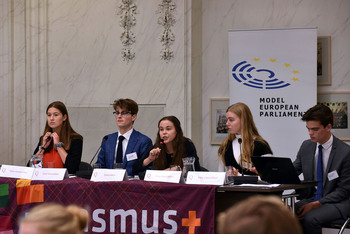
{"x": 259, "y": 185}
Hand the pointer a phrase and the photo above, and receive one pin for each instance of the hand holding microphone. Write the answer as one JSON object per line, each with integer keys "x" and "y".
{"x": 47, "y": 138}
{"x": 153, "y": 154}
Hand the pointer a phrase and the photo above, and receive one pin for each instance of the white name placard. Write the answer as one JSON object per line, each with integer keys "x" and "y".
{"x": 100, "y": 175}
{"x": 211, "y": 178}
{"x": 50, "y": 174}
{"x": 16, "y": 172}
{"x": 164, "y": 176}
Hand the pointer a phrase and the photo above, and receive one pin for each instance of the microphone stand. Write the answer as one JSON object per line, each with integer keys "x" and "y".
{"x": 240, "y": 151}
{"x": 244, "y": 179}
{"x": 104, "y": 139}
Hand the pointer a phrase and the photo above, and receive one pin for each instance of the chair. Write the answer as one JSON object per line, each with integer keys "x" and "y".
{"x": 289, "y": 200}
{"x": 85, "y": 170}
{"x": 204, "y": 169}
{"x": 84, "y": 166}
{"x": 340, "y": 224}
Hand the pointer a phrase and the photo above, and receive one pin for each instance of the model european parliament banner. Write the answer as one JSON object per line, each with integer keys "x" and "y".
{"x": 274, "y": 73}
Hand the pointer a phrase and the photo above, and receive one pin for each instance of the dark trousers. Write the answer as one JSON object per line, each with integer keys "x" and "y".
{"x": 314, "y": 219}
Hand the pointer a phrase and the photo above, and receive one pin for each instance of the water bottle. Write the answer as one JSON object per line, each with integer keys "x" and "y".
{"x": 188, "y": 165}
{"x": 36, "y": 161}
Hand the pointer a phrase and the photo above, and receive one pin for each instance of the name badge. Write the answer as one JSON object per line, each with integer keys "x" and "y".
{"x": 164, "y": 176}
{"x": 50, "y": 174}
{"x": 101, "y": 175}
{"x": 131, "y": 156}
{"x": 16, "y": 172}
{"x": 209, "y": 178}
{"x": 332, "y": 175}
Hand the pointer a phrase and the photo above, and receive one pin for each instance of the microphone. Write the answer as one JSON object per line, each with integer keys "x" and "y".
{"x": 240, "y": 150}
{"x": 161, "y": 142}
{"x": 105, "y": 138}
{"x": 244, "y": 179}
{"x": 44, "y": 147}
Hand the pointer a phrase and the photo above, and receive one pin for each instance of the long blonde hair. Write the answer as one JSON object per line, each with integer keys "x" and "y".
{"x": 248, "y": 130}
{"x": 58, "y": 219}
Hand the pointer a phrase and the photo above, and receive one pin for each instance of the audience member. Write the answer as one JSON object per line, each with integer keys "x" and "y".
{"x": 52, "y": 218}
{"x": 258, "y": 215}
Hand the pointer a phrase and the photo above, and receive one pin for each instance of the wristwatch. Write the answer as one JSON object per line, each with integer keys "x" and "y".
{"x": 59, "y": 144}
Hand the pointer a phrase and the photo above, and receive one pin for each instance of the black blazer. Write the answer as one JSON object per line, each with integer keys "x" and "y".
{"x": 260, "y": 148}
{"x": 190, "y": 152}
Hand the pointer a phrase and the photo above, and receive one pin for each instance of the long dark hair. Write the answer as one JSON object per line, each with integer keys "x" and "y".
{"x": 67, "y": 132}
{"x": 178, "y": 145}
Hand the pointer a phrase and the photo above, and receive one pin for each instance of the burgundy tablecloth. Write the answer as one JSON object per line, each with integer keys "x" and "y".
{"x": 118, "y": 207}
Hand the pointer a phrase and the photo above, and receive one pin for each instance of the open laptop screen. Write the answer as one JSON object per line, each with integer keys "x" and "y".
{"x": 276, "y": 170}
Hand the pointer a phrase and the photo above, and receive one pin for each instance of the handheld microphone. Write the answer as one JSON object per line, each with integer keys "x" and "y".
{"x": 161, "y": 142}
{"x": 44, "y": 147}
{"x": 105, "y": 138}
{"x": 240, "y": 150}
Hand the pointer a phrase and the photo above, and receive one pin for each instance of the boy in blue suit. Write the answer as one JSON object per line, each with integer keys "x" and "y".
{"x": 133, "y": 144}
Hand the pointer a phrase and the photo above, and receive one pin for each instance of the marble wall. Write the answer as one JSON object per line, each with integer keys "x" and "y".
{"x": 70, "y": 50}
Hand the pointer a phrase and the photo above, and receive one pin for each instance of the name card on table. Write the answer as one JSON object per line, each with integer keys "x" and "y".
{"x": 50, "y": 174}
{"x": 164, "y": 176}
{"x": 101, "y": 175}
{"x": 16, "y": 172}
{"x": 210, "y": 178}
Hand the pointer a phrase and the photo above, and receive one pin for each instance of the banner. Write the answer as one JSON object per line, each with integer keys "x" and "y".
{"x": 274, "y": 73}
{"x": 133, "y": 206}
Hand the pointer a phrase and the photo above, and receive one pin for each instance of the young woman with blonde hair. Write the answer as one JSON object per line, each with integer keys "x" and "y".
{"x": 243, "y": 140}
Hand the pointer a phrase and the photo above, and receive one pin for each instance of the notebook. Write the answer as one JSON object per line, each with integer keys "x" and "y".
{"x": 277, "y": 170}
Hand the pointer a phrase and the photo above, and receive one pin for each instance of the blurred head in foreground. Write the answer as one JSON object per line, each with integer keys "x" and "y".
{"x": 258, "y": 215}
{"x": 54, "y": 219}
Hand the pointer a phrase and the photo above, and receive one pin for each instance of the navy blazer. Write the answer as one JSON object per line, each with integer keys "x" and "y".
{"x": 138, "y": 143}
{"x": 337, "y": 190}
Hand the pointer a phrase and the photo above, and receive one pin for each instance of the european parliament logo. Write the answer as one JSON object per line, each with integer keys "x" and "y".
{"x": 265, "y": 77}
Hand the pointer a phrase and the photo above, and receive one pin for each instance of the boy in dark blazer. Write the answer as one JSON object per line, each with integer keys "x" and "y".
{"x": 330, "y": 201}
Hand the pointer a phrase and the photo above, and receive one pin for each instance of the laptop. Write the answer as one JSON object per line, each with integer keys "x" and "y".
{"x": 277, "y": 170}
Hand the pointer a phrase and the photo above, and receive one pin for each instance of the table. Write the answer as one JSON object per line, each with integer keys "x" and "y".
{"x": 133, "y": 206}
{"x": 227, "y": 196}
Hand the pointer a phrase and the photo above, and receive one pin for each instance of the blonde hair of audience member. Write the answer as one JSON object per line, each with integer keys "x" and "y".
{"x": 249, "y": 133}
{"x": 54, "y": 219}
{"x": 259, "y": 215}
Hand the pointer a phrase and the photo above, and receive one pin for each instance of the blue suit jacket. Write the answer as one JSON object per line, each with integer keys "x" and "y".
{"x": 138, "y": 143}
